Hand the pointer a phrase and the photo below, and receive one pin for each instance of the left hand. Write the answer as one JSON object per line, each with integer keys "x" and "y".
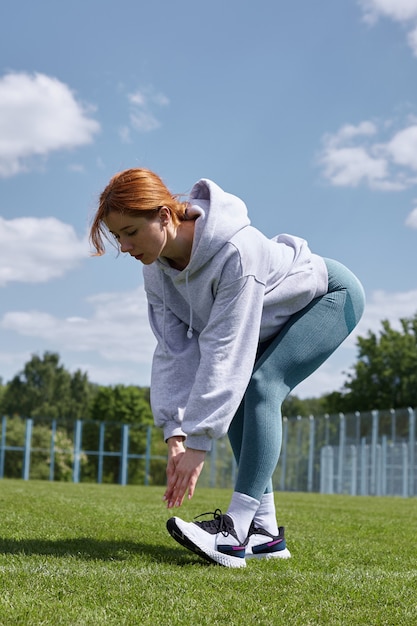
{"x": 182, "y": 475}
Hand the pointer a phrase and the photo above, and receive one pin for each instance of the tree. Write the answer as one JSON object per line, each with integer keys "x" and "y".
{"x": 120, "y": 403}
{"x": 385, "y": 375}
{"x": 293, "y": 406}
{"x": 45, "y": 389}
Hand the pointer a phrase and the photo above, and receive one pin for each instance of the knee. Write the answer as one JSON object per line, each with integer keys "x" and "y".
{"x": 266, "y": 385}
{"x": 355, "y": 304}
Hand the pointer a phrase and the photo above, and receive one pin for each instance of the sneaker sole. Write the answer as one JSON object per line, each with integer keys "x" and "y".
{"x": 213, "y": 556}
{"x": 281, "y": 554}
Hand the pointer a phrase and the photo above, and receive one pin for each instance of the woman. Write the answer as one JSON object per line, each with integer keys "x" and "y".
{"x": 240, "y": 320}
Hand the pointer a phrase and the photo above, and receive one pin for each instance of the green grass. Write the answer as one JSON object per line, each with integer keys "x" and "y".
{"x": 100, "y": 554}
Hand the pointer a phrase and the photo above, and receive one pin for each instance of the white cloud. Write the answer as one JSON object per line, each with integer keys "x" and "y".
{"x": 412, "y": 40}
{"x": 398, "y": 10}
{"x": 141, "y": 105}
{"x": 382, "y": 305}
{"x": 356, "y": 155}
{"x": 402, "y": 11}
{"x": 403, "y": 147}
{"x": 118, "y": 330}
{"x": 38, "y": 115}
{"x": 34, "y": 250}
{"x": 348, "y": 167}
{"x": 411, "y": 220}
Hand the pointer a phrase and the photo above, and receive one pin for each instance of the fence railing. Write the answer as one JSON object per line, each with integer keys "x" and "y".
{"x": 371, "y": 453}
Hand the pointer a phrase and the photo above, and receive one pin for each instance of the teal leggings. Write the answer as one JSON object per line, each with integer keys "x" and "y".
{"x": 302, "y": 345}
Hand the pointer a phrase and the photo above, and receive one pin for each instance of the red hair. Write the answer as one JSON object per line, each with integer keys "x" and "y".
{"x": 135, "y": 192}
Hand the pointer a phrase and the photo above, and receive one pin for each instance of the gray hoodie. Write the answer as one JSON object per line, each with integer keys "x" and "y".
{"x": 239, "y": 288}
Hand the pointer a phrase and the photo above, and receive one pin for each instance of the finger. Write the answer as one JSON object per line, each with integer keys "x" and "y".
{"x": 178, "y": 493}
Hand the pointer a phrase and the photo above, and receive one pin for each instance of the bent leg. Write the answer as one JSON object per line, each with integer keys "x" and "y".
{"x": 303, "y": 344}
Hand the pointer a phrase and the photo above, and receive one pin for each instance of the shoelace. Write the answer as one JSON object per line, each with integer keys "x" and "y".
{"x": 220, "y": 523}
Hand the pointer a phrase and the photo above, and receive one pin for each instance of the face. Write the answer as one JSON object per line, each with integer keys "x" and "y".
{"x": 142, "y": 238}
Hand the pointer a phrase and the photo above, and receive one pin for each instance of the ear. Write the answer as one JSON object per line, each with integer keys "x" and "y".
{"x": 164, "y": 215}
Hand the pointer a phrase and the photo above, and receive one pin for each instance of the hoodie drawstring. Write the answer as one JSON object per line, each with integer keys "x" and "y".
{"x": 190, "y": 324}
{"x": 164, "y": 313}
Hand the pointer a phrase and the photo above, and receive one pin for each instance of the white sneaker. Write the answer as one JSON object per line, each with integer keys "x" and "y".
{"x": 215, "y": 540}
{"x": 260, "y": 544}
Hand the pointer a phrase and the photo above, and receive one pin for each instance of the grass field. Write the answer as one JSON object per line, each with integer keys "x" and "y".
{"x": 100, "y": 554}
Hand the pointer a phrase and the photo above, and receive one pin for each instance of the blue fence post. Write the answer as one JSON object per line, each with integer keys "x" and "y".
{"x": 353, "y": 470}
{"x": 393, "y": 425}
{"x": 412, "y": 449}
{"x": 405, "y": 465}
{"x": 148, "y": 455}
{"x": 357, "y": 428}
{"x": 124, "y": 455}
{"x": 342, "y": 442}
{"x": 3, "y": 444}
{"x": 327, "y": 470}
{"x": 374, "y": 442}
{"x": 311, "y": 454}
{"x": 100, "y": 452}
{"x": 364, "y": 467}
{"x": 326, "y": 429}
{"x": 384, "y": 461}
{"x": 52, "y": 451}
{"x": 27, "y": 449}
{"x": 299, "y": 457}
{"x": 77, "y": 451}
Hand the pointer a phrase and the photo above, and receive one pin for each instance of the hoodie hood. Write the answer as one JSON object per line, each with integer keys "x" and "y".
{"x": 219, "y": 216}
{"x": 223, "y": 215}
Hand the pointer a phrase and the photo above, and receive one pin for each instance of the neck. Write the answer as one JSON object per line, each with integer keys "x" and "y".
{"x": 178, "y": 252}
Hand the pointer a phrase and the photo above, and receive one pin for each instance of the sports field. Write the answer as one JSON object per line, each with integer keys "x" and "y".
{"x": 96, "y": 554}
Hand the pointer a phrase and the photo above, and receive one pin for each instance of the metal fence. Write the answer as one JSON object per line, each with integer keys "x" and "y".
{"x": 369, "y": 453}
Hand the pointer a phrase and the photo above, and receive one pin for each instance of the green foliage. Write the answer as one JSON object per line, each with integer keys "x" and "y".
{"x": 294, "y": 406}
{"x": 116, "y": 405}
{"x": 64, "y": 457}
{"x": 385, "y": 375}
{"x": 40, "y": 458}
{"x": 100, "y": 554}
{"x": 129, "y": 405}
{"x": 45, "y": 389}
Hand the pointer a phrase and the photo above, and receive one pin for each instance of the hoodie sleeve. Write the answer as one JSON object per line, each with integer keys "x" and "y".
{"x": 175, "y": 353}
{"x": 228, "y": 347}
{"x": 197, "y": 384}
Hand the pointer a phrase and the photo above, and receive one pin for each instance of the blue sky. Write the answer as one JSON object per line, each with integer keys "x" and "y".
{"x": 306, "y": 110}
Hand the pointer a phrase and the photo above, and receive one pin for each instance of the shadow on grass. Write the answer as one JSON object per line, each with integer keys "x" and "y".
{"x": 93, "y": 549}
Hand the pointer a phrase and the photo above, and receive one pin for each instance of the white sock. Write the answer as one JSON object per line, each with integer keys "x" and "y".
{"x": 265, "y": 516}
{"x": 242, "y": 508}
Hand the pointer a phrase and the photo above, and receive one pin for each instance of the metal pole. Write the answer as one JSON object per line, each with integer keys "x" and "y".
{"x": 354, "y": 470}
{"x": 374, "y": 441}
{"x": 311, "y": 455}
{"x": 26, "y": 459}
{"x": 342, "y": 443}
{"x": 124, "y": 454}
{"x": 52, "y": 451}
{"x": 77, "y": 451}
{"x": 3, "y": 445}
{"x": 100, "y": 452}
{"x": 148, "y": 455}
{"x": 412, "y": 448}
